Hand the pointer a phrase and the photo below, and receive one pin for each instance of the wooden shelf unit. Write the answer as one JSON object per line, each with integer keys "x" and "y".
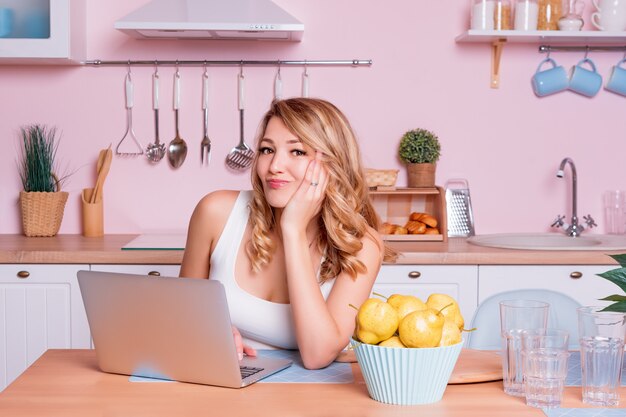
{"x": 395, "y": 206}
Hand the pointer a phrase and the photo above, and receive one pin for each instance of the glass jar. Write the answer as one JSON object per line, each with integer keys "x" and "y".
{"x": 549, "y": 13}
{"x": 502, "y": 15}
{"x": 526, "y": 13}
{"x": 572, "y": 19}
{"x": 481, "y": 14}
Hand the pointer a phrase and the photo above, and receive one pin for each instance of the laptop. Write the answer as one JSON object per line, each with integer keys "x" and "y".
{"x": 167, "y": 328}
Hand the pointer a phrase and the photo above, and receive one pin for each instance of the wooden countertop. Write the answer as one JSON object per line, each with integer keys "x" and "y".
{"x": 76, "y": 249}
{"x": 67, "y": 383}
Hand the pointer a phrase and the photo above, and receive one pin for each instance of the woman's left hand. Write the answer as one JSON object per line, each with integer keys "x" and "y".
{"x": 305, "y": 204}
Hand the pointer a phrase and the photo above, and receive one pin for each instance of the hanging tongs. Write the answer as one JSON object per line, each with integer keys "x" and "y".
{"x": 129, "y": 119}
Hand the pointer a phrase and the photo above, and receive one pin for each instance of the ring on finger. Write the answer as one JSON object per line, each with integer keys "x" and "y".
{"x": 314, "y": 184}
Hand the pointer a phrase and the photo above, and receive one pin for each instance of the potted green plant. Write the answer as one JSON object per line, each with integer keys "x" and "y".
{"x": 618, "y": 277}
{"x": 42, "y": 202}
{"x": 420, "y": 150}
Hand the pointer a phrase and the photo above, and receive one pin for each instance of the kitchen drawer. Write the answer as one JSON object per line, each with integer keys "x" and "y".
{"x": 578, "y": 281}
{"x": 155, "y": 270}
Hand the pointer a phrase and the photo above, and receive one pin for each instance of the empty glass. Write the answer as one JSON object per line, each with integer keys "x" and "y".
{"x": 601, "y": 354}
{"x": 544, "y": 360}
{"x": 615, "y": 211}
{"x": 515, "y": 317}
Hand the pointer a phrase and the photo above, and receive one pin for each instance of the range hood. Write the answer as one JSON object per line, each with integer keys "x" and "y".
{"x": 211, "y": 19}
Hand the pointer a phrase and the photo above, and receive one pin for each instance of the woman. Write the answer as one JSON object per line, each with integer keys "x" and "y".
{"x": 299, "y": 248}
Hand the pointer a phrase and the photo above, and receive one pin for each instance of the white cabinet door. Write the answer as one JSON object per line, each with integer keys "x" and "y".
{"x": 578, "y": 281}
{"x": 40, "y": 308}
{"x": 27, "y": 42}
{"x": 458, "y": 281}
{"x": 154, "y": 270}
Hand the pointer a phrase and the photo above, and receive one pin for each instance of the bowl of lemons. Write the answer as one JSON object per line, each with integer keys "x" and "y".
{"x": 407, "y": 348}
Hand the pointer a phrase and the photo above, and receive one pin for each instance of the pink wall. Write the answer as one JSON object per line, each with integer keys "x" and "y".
{"x": 506, "y": 142}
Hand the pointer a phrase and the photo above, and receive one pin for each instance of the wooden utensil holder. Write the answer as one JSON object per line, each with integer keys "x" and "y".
{"x": 93, "y": 216}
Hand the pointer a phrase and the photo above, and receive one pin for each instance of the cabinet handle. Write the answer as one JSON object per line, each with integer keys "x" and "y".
{"x": 154, "y": 273}
{"x": 414, "y": 274}
{"x": 576, "y": 275}
{"x": 23, "y": 274}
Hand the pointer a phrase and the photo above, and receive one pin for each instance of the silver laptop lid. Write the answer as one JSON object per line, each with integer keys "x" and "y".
{"x": 162, "y": 327}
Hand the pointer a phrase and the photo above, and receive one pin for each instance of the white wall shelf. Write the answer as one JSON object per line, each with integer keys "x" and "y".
{"x": 498, "y": 38}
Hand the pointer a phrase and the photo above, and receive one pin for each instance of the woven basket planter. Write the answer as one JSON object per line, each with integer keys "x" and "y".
{"x": 421, "y": 175}
{"x": 42, "y": 212}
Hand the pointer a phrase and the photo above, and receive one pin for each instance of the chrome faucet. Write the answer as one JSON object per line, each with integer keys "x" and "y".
{"x": 572, "y": 229}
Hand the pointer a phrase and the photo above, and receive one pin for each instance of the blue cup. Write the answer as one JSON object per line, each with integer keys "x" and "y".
{"x": 549, "y": 81}
{"x": 617, "y": 80}
{"x": 584, "y": 81}
{"x": 6, "y": 22}
{"x": 37, "y": 25}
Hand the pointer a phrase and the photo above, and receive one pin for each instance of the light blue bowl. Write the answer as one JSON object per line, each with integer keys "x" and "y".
{"x": 406, "y": 376}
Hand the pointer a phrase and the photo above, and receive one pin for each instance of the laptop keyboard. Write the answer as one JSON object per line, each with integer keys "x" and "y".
{"x": 247, "y": 371}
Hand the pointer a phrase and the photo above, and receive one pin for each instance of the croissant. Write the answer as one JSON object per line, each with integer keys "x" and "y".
{"x": 400, "y": 230}
{"x": 387, "y": 228}
{"x": 424, "y": 218}
{"x": 415, "y": 228}
{"x": 431, "y": 231}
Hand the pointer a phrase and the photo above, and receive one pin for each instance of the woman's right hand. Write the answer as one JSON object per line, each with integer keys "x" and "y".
{"x": 241, "y": 348}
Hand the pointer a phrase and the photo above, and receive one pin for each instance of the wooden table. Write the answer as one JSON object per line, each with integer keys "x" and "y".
{"x": 68, "y": 383}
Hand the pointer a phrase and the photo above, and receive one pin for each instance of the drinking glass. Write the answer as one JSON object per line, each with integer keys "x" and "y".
{"x": 544, "y": 361}
{"x": 601, "y": 354}
{"x": 515, "y": 317}
{"x": 615, "y": 211}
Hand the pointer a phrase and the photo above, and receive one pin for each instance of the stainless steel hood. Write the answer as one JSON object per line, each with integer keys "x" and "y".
{"x": 212, "y": 19}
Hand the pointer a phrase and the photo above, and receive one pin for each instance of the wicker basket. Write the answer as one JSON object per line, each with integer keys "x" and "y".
{"x": 42, "y": 212}
{"x": 381, "y": 177}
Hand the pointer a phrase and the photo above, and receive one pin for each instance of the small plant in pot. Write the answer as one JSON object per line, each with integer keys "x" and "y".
{"x": 420, "y": 149}
{"x": 42, "y": 201}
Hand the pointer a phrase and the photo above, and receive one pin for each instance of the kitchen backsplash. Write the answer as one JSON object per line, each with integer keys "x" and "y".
{"x": 506, "y": 142}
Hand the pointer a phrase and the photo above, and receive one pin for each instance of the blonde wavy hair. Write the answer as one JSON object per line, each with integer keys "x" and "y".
{"x": 346, "y": 210}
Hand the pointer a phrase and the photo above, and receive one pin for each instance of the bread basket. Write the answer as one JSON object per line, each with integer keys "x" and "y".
{"x": 381, "y": 177}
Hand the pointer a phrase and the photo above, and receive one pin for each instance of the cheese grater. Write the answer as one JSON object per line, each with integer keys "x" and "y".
{"x": 459, "y": 208}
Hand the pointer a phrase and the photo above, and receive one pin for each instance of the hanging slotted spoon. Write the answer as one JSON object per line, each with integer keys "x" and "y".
{"x": 240, "y": 157}
{"x": 177, "y": 151}
{"x": 155, "y": 151}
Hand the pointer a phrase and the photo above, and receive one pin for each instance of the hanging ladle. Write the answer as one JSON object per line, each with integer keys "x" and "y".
{"x": 155, "y": 151}
{"x": 177, "y": 150}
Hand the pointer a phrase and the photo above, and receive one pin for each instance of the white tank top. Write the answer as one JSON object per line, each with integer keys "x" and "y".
{"x": 262, "y": 323}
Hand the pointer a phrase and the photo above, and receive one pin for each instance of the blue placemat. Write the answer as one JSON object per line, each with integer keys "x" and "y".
{"x": 585, "y": 412}
{"x": 574, "y": 376}
{"x": 335, "y": 373}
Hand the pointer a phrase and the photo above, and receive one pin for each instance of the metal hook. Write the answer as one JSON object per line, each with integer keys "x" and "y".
{"x": 206, "y": 71}
{"x": 128, "y": 72}
{"x": 306, "y": 69}
{"x": 241, "y": 69}
{"x": 156, "y": 69}
{"x": 586, "y": 51}
{"x": 279, "y": 68}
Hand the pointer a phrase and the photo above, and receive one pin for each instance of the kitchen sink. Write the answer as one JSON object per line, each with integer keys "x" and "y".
{"x": 550, "y": 241}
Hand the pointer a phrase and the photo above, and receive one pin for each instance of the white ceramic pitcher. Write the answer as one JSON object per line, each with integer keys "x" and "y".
{"x": 610, "y": 15}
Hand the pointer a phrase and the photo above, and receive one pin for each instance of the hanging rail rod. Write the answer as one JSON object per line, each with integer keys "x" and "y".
{"x": 550, "y": 48}
{"x": 183, "y": 62}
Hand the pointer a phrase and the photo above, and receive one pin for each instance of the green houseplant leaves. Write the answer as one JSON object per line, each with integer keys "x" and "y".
{"x": 618, "y": 277}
